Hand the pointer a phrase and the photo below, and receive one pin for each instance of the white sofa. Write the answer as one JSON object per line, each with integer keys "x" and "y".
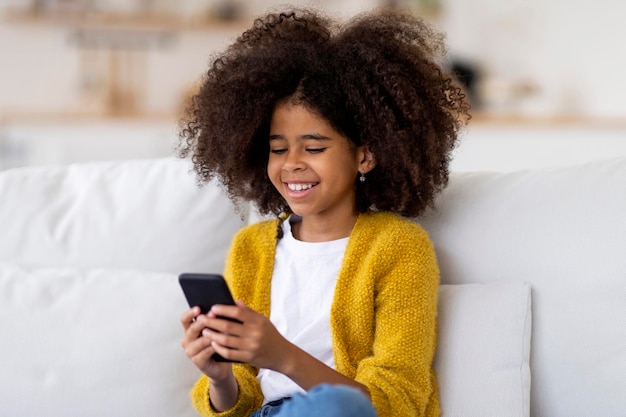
{"x": 90, "y": 304}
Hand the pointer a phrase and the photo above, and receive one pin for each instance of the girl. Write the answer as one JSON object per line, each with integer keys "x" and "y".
{"x": 338, "y": 131}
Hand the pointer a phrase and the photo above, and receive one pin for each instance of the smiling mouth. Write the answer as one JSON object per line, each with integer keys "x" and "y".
{"x": 300, "y": 187}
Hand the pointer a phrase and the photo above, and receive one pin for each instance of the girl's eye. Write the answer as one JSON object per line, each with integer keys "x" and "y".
{"x": 278, "y": 151}
{"x": 316, "y": 150}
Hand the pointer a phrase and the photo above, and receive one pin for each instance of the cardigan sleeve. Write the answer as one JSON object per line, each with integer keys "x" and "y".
{"x": 247, "y": 401}
{"x": 398, "y": 271}
{"x": 399, "y": 374}
{"x": 406, "y": 330}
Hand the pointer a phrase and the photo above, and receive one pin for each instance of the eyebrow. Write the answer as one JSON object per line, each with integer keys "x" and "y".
{"x": 308, "y": 136}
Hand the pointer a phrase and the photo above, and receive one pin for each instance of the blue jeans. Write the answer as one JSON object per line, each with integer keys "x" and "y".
{"x": 323, "y": 400}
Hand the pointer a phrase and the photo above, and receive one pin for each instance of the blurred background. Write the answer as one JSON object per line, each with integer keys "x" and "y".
{"x": 90, "y": 80}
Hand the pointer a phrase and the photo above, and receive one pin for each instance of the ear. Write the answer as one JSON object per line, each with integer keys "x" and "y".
{"x": 366, "y": 158}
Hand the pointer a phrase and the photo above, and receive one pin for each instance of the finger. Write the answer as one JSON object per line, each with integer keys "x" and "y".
{"x": 197, "y": 346}
{"x": 202, "y": 352}
{"x": 226, "y": 352}
{"x": 223, "y": 339}
{"x": 239, "y": 312}
{"x": 194, "y": 330}
{"x": 190, "y": 336}
{"x": 224, "y": 326}
{"x": 189, "y": 316}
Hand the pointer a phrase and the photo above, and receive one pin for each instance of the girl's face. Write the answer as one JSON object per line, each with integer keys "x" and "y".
{"x": 314, "y": 167}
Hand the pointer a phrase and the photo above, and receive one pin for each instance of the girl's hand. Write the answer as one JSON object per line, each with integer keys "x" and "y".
{"x": 199, "y": 348}
{"x": 254, "y": 341}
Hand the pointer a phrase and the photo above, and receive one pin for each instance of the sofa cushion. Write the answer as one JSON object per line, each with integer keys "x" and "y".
{"x": 482, "y": 360}
{"x": 106, "y": 342}
{"x": 92, "y": 343}
{"x": 563, "y": 230}
{"x": 144, "y": 214}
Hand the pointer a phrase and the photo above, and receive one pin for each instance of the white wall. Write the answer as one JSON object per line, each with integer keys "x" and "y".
{"x": 505, "y": 148}
{"x": 40, "y": 69}
{"x": 571, "y": 49}
{"x": 40, "y": 66}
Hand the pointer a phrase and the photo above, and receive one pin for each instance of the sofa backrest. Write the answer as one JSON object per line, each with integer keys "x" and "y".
{"x": 146, "y": 214}
{"x": 89, "y": 299}
{"x": 563, "y": 230}
{"x": 69, "y": 231}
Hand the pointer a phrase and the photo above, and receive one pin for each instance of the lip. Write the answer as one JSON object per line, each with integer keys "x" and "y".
{"x": 299, "y": 194}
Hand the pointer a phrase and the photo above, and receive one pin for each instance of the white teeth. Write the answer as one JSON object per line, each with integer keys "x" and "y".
{"x": 299, "y": 187}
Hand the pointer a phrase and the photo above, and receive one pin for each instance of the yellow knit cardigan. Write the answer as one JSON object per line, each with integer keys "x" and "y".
{"x": 383, "y": 316}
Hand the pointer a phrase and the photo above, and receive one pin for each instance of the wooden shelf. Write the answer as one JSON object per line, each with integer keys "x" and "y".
{"x": 116, "y": 21}
{"x": 479, "y": 120}
{"x": 549, "y": 121}
{"x": 76, "y": 117}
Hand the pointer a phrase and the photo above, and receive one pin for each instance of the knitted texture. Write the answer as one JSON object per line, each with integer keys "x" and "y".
{"x": 383, "y": 315}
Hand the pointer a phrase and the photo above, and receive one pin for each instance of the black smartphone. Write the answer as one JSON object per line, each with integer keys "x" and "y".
{"x": 205, "y": 290}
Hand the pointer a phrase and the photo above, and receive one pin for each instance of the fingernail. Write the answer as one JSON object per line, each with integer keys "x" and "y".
{"x": 206, "y": 332}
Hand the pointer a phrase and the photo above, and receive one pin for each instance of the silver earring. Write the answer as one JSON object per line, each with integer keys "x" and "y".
{"x": 362, "y": 177}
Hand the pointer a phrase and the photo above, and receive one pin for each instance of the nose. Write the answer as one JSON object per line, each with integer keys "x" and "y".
{"x": 293, "y": 161}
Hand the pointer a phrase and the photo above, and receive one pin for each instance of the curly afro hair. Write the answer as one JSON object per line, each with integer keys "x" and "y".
{"x": 375, "y": 79}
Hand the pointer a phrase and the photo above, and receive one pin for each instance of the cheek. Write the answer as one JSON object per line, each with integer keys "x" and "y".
{"x": 273, "y": 172}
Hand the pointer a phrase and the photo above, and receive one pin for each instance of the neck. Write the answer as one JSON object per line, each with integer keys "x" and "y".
{"x": 323, "y": 230}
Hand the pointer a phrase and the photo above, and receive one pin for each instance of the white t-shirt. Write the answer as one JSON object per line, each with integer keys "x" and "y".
{"x": 303, "y": 286}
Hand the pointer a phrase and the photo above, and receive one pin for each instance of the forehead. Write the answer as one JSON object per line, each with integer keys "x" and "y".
{"x": 285, "y": 111}
{"x": 289, "y": 116}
